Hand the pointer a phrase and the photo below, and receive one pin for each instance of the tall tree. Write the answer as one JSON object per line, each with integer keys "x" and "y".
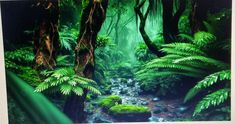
{"x": 143, "y": 17}
{"x": 170, "y": 20}
{"x": 92, "y": 18}
{"x": 46, "y": 36}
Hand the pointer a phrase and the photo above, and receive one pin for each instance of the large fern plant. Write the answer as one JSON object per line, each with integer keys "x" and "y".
{"x": 191, "y": 59}
{"x": 66, "y": 82}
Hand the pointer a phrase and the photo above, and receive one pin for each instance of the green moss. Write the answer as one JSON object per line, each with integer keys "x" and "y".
{"x": 110, "y": 101}
{"x": 128, "y": 109}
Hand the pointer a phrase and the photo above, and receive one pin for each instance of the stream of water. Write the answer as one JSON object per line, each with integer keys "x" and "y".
{"x": 129, "y": 90}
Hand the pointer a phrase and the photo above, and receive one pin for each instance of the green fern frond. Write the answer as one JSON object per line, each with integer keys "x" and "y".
{"x": 204, "y": 59}
{"x": 175, "y": 52}
{"x": 65, "y": 89}
{"x": 209, "y": 27}
{"x": 214, "y": 99}
{"x": 146, "y": 76}
{"x": 186, "y": 37}
{"x": 64, "y": 71}
{"x": 41, "y": 87}
{"x": 78, "y": 91}
{"x": 67, "y": 81}
{"x": 86, "y": 80}
{"x": 22, "y": 55}
{"x": 171, "y": 56}
{"x": 207, "y": 82}
{"x": 81, "y": 82}
{"x": 54, "y": 82}
{"x": 157, "y": 61}
{"x": 72, "y": 82}
{"x": 213, "y": 78}
{"x": 92, "y": 89}
{"x": 202, "y": 38}
{"x": 185, "y": 47}
{"x": 175, "y": 66}
{"x": 46, "y": 72}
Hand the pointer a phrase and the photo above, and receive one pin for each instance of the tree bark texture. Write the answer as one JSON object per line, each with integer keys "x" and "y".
{"x": 46, "y": 36}
{"x": 92, "y": 19}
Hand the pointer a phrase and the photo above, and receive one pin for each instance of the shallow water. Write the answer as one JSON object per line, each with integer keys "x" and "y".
{"x": 129, "y": 90}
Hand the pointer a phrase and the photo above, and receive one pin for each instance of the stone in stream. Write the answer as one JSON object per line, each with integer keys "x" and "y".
{"x": 129, "y": 113}
{"x": 171, "y": 115}
{"x": 182, "y": 109}
{"x": 156, "y": 99}
{"x": 123, "y": 91}
{"x": 157, "y": 110}
{"x": 144, "y": 103}
{"x": 153, "y": 119}
{"x": 101, "y": 120}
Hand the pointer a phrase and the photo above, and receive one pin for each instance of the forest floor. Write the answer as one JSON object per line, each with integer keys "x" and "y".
{"x": 161, "y": 109}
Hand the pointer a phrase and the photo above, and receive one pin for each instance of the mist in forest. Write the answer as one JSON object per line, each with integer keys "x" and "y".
{"x": 108, "y": 61}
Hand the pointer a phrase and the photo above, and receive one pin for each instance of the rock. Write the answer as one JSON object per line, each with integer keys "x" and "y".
{"x": 182, "y": 109}
{"x": 156, "y": 99}
{"x": 157, "y": 110}
{"x": 171, "y": 115}
{"x": 178, "y": 115}
{"x": 129, "y": 81}
{"x": 160, "y": 119}
{"x": 144, "y": 103}
{"x": 219, "y": 117}
{"x": 130, "y": 113}
{"x": 164, "y": 109}
{"x": 123, "y": 80}
{"x": 123, "y": 91}
{"x": 95, "y": 103}
{"x": 153, "y": 119}
{"x": 158, "y": 105}
{"x": 101, "y": 120}
{"x": 89, "y": 112}
{"x": 110, "y": 101}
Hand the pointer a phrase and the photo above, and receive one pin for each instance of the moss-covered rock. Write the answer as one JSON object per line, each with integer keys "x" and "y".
{"x": 110, "y": 101}
{"x": 130, "y": 112}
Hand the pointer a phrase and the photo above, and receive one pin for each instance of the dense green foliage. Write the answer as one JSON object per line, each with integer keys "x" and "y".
{"x": 66, "y": 81}
{"x": 192, "y": 59}
{"x": 19, "y": 62}
{"x": 36, "y": 106}
{"x": 68, "y": 38}
{"x": 193, "y": 67}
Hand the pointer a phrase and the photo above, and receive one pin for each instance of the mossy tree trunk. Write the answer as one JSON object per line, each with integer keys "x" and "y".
{"x": 46, "y": 36}
{"x": 92, "y": 18}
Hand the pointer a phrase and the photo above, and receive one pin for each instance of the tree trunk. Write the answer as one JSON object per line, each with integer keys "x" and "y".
{"x": 92, "y": 19}
{"x": 143, "y": 17}
{"x": 167, "y": 20}
{"x": 74, "y": 107}
{"x": 46, "y": 36}
{"x": 117, "y": 28}
{"x": 198, "y": 14}
{"x": 170, "y": 21}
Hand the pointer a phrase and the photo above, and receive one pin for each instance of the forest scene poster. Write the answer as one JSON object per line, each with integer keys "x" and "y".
{"x": 109, "y": 61}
